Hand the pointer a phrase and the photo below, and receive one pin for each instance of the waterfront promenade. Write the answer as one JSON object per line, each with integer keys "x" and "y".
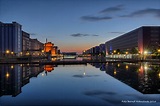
{"x": 71, "y": 61}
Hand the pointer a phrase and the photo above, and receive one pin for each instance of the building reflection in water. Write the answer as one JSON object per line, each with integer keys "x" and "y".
{"x": 144, "y": 77}
{"x": 14, "y": 77}
{"x": 48, "y": 68}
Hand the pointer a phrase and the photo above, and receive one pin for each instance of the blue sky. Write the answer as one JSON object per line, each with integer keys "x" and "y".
{"x": 76, "y": 25}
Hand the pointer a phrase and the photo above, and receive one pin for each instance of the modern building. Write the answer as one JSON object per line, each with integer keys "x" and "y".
{"x": 92, "y": 51}
{"x": 26, "y": 42}
{"x": 143, "y": 40}
{"x": 10, "y": 38}
{"x": 102, "y": 49}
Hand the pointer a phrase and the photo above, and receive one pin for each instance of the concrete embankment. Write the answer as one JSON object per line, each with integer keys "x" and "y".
{"x": 74, "y": 61}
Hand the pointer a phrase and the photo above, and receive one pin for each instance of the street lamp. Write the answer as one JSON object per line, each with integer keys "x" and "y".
{"x": 12, "y": 53}
{"x": 7, "y": 51}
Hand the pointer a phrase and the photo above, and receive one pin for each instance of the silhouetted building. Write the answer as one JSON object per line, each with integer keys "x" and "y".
{"x": 10, "y": 38}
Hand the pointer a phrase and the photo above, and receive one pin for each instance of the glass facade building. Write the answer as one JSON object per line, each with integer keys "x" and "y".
{"x": 10, "y": 38}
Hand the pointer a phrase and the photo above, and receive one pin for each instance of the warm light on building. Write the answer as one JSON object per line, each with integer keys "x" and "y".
{"x": 159, "y": 75}
{"x": 49, "y": 47}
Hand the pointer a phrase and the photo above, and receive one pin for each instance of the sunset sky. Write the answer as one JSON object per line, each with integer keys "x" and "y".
{"x": 76, "y": 25}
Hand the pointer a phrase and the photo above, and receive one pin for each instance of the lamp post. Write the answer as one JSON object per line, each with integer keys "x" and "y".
{"x": 7, "y": 52}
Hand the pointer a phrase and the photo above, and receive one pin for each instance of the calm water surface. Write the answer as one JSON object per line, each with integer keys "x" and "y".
{"x": 92, "y": 84}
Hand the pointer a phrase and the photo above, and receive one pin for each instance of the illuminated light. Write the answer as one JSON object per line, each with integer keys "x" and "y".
{"x": 28, "y": 64}
{"x": 21, "y": 65}
{"x": 21, "y": 53}
{"x": 7, "y": 74}
{"x": 159, "y": 75}
{"x": 145, "y": 52}
{"x": 42, "y": 51}
{"x": 118, "y": 65}
{"x": 126, "y": 52}
{"x": 27, "y": 53}
{"x": 118, "y": 52}
{"x": 145, "y": 67}
{"x": 115, "y": 72}
{"x": 126, "y": 66}
{"x": 53, "y": 59}
{"x": 12, "y": 66}
{"x": 158, "y": 50}
{"x": 7, "y": 51}
{"x": 42, "y": 74}
{"x": 114, "y": 51}
{"x": 12, "y": 52}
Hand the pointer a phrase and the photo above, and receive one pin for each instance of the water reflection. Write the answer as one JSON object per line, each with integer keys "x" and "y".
{"x": 14, "y": 77}
{"x": 48, "y": 68}
{"x": 144, "y": 77}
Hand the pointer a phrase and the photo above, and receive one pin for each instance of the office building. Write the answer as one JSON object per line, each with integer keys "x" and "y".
{"x": 10, "y": 38}
{"x": 143, "y": 40}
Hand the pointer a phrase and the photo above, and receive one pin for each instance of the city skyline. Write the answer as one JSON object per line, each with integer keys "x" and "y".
{"x": 75, "y": 25}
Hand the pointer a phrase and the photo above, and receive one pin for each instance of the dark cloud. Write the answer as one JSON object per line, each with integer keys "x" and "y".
{"x": 147, "y": 11}
{"x": 101, "y": 18}
{"x": 113, "y": 9}
{"x": 95, "y": 18}
{"x": 81, "y": 35}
